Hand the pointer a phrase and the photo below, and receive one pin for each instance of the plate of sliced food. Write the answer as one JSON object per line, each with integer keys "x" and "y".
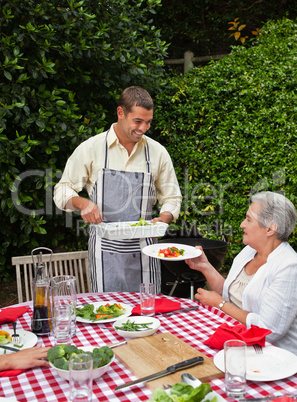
{"x": 102, "y": 312}
{"x": 171, "y": 251}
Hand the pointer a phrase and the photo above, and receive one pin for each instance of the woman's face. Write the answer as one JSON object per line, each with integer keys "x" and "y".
{"x": 253, "y": 234}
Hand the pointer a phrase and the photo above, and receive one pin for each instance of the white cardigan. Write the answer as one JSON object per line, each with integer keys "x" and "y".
{"x": 271, "y": 295}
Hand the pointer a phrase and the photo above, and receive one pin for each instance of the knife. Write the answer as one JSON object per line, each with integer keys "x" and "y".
{"x": 169, "y": 370}
{"x": 181, "y": 310}
{"x": 10, "y": 348}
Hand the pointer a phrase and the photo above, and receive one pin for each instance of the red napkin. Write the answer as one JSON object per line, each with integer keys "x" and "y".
{"x": 224, "y": 332}
{"x": 161, "y": 306}
{"x": 11, "y": 373}
{"x": 12, "y": 313}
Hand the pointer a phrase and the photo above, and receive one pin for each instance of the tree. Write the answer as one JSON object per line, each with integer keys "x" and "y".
{"x": 63, "y": 65}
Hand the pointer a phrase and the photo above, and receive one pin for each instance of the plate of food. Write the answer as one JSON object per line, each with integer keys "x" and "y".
{"x": 171, "y": 251}
{"x": 27, "y": 340}
{"x": 102, "y": 312}
{"x": 131, "y": 230}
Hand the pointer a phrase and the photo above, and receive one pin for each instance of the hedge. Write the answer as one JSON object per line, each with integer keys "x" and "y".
{"x": 231, "y": 129}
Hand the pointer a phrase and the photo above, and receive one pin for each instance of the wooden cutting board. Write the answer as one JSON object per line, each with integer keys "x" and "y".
{"x": 148, "y": 355}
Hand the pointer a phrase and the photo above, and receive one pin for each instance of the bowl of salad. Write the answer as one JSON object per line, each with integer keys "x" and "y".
{"x": 136, "y": 326}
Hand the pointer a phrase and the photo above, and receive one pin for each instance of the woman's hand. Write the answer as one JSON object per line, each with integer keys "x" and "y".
{"x": 25, "y": 359}
{"x": 208, "y": 297}
{"x": 200, "y": 263}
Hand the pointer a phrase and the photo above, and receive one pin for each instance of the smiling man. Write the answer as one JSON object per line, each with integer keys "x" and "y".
{"x": 125, "y": 173}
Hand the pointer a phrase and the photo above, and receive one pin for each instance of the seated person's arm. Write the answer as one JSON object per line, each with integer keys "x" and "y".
{"x": 24, "y": 359}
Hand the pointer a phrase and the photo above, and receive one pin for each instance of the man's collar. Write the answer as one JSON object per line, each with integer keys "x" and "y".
{"x": 113, "y": 139}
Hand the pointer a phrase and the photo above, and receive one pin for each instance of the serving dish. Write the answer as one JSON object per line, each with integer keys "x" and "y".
{"x": 137, "y": 320}
{"x": 125, "y": 230}
{"x": 97, "y": 372}
{"x": 127, "y": 313}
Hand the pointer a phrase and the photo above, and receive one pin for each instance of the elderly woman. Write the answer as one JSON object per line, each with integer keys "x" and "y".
{"x": 261, "y": 287}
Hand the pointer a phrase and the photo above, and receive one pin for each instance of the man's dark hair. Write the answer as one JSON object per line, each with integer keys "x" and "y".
{"x": 135, "y": 96}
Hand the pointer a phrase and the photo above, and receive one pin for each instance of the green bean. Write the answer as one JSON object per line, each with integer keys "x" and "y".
{"x": 132, "y": 326}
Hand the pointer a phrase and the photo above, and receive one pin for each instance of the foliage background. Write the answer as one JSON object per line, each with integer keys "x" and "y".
{"x": 231, "y": 129}
{"x": 63, "y": 64}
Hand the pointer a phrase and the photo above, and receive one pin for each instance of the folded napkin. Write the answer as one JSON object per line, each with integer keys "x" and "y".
{"x": 11, "y": 373}
{"x": 161, "y": 306}
{"x": 10, "y": 314}
{"x": 251, "y": 336}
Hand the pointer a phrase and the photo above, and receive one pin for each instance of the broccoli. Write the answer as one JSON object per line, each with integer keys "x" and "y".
{"x": 61, "y": 363}
{"x": 70, "y": 349}
{"x": 55, "y": 352}
{"x": 102, "y": 356}
{"x": 107, "y": 351}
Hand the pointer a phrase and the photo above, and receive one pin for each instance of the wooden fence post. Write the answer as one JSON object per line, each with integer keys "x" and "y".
{"x": 188, "y": 63}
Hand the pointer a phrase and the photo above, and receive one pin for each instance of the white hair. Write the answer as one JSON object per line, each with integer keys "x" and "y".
{"x": 277, "y": 209}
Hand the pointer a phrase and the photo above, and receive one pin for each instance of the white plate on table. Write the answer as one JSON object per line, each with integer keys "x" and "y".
{"x": 125, "y": 230}
{"x": 153, "y": 251}
{"x": 271, "y": 365}
{"x": 27, "y": 339}
{"x": 127, "y": 313}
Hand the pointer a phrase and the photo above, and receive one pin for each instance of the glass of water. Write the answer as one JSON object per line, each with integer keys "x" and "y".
{"x": 235, "y": 368}
{"x": 80, "y": 377}
{"x": 147, "y": 299}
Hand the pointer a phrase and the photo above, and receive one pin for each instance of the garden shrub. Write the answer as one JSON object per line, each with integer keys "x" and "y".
{"x": 231, "y": 129}
{"x": 63, "y": 65}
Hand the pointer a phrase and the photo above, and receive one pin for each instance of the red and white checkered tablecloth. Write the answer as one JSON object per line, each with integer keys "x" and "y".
{"x": 41, "y": 384}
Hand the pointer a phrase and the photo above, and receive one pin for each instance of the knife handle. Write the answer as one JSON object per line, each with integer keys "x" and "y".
{"x": 9, "y": 348}
{"x": 185, "y": 364}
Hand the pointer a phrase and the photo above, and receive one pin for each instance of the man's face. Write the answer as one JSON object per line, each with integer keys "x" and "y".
{"x": 133, "y": 125}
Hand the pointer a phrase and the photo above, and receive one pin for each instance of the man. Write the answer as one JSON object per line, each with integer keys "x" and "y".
{"x": 124, "y": 172}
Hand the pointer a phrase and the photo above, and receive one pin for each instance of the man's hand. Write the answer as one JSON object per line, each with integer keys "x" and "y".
{"x": 90, "y": 212}
{"x": 165, "y": 217}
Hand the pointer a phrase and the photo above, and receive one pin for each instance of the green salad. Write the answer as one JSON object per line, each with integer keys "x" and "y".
{"x": 141, "y": 222}
{"x": 103, "y": 312}
{"x": 182, "y": 392}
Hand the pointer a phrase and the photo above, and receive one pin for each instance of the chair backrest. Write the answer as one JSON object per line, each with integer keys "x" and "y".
{"x": 73, "y": 263}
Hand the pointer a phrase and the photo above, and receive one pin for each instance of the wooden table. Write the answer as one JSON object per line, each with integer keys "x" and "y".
{"x": 194, "y": 327}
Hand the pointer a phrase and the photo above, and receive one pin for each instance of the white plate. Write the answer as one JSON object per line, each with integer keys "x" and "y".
{"x": 137, "y": 320}
{"x": 274, "y": 364}
{"x": 27, "y": 339}
{"x": 153, "y": 251}
{"x": 124, "y": 230}
{"x": 127, "y": 313}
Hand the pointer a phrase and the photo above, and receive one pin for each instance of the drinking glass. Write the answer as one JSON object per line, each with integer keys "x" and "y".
{"x": 81, "y": 377}
{"x": 62, "y": 323}
{"x": 147, "y": 299}
{"x": 64, "y": 293}
{"x": 235, "y": 368}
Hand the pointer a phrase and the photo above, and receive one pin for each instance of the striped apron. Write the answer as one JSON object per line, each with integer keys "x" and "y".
{"x": 119, "y": 265}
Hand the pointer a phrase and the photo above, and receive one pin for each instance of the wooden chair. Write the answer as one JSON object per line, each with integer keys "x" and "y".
{"x": 73, "y": 263}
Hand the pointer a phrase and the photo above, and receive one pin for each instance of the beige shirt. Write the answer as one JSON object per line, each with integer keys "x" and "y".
{"x": 237, "y": 287}
{"x": 88, "y": 158}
